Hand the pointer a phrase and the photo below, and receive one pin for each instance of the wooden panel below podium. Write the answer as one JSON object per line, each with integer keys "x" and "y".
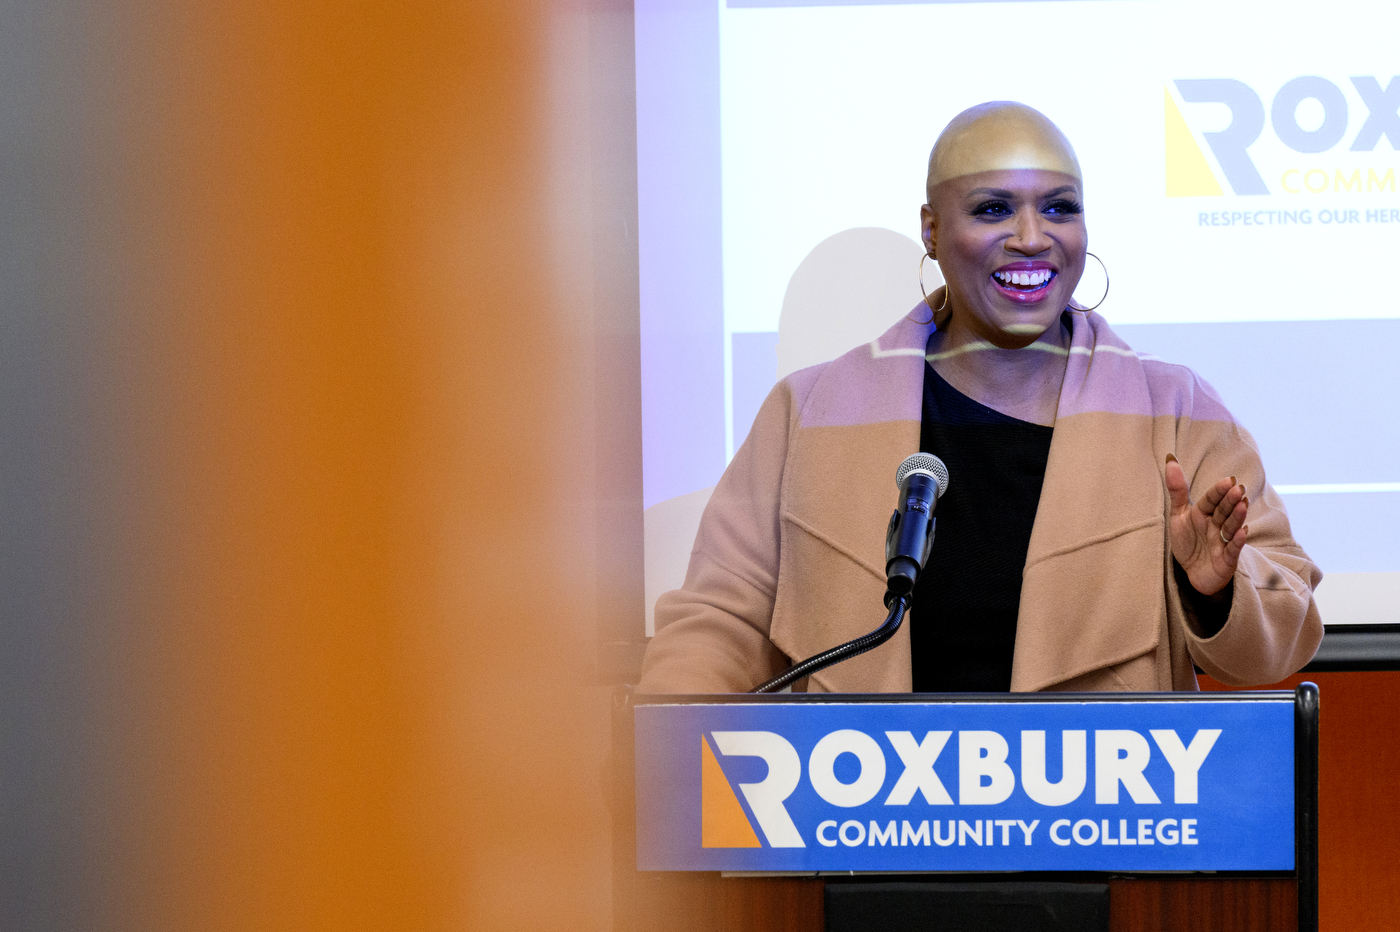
{"x": 1169, "y": 904}
{"x": 710, "y": 903}
{"x": 666, "y": 902}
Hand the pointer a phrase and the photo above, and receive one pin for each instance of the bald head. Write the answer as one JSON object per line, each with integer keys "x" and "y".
{"x": 999, "y": 135}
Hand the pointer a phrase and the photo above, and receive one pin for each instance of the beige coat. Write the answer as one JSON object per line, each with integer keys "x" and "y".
{"x": 789, "y": 559}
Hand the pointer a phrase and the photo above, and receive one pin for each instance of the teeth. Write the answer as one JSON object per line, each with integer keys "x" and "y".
{"x": 1025, "y": 279}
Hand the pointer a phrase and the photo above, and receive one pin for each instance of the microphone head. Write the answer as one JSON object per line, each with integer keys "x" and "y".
{"x": 925, "y": 463}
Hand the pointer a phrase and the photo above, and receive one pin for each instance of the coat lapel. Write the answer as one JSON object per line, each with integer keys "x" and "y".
{"x": 1092, "y": 591}
{"x": 858, "y": 423}
{"x": 1091, "y": 595}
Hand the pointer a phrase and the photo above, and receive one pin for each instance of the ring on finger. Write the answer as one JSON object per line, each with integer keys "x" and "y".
{"x": 1223, "y": 538}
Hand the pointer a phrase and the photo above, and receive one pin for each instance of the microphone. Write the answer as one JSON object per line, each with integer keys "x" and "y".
{"x": 922, "y": 480}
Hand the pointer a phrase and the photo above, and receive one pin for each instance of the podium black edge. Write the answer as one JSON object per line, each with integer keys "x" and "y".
{"x": 1305, "y": 773}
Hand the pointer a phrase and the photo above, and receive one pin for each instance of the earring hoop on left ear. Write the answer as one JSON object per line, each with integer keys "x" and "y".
{"x": 944, "y": 305}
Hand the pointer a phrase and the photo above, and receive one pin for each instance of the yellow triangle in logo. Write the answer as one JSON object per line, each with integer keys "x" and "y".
{"x": 722, "y": 820}
{"x": 1188, "y": 173}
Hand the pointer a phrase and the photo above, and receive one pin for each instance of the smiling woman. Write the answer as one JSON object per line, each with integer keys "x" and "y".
{"x": 1005, "y": 219}
{"x": 1092, "y": 535}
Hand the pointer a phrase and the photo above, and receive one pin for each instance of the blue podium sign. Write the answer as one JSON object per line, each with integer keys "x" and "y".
{"x": 1134, "y": 784}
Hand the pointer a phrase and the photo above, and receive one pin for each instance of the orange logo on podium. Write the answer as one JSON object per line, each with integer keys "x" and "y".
{"x": 722, "y": 820}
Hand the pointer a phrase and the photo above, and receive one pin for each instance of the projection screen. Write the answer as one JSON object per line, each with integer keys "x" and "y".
{"x": 1240, "y": 166}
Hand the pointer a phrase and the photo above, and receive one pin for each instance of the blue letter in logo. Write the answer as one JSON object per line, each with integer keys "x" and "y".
{"x": 1382, "y": 119}
{"x": 1284, "y": 113}
{"x": 1230, "y": 145}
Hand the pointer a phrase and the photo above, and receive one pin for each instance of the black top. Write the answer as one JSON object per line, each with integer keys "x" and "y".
{"x": 962, "y": 625}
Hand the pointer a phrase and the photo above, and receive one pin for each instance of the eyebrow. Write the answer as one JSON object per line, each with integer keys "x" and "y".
{"x": 1002, "y": 192}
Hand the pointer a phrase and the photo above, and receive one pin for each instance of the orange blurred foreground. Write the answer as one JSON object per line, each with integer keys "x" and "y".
{"x": 347, "y": 326}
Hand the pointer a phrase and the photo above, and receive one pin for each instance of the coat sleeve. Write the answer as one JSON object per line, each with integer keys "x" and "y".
{"x": 712, "y": 633}
{"x": 1273, "y": 627}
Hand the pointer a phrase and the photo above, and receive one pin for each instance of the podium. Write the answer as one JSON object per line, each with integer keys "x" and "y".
{"x": 1120, "y": 811}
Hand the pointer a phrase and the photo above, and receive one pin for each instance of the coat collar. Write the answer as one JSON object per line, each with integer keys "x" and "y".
{"x": 1102, "y": 500}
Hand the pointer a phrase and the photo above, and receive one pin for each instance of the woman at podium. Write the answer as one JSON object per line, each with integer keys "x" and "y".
{"x": 1107, "y": 524}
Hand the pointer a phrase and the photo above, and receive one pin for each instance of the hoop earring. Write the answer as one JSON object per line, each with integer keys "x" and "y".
{"x": 1105, "y": 282}
{"x": 944, "y": 305}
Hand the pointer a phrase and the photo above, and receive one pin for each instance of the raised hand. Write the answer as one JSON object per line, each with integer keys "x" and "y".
{"x": 1207, "y": 536}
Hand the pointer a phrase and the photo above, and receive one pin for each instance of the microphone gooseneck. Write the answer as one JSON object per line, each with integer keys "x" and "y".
{"x": 922, "y": 480}
{"x": 860, "y": 645}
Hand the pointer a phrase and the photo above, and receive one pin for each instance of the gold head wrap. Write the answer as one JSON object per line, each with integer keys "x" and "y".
{"x": 999, "y": 135}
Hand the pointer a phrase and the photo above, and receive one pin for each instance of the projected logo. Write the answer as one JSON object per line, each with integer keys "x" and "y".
{"x": 1310, "y": 117}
